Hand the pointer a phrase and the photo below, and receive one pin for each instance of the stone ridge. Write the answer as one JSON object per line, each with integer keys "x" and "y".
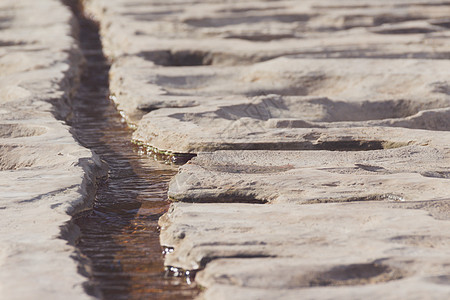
{"x": 406, "y": 174}
{"x": 45, "y": 175}
{"x": 326, "y": 251}
{"x": 321, "y": 133}
{"x": 205, "y": 53}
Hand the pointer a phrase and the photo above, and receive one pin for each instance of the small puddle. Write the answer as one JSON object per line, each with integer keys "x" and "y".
{"x": 120, "y": 236}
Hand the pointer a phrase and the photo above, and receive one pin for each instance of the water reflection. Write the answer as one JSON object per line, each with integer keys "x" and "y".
{"x": 120, "y": 235}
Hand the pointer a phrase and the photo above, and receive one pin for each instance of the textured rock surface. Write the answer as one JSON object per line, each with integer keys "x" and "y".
{"x": 364, "y": 222}
{"x": 188, "y": 53}
{"x": 409, "y": 173}
{"x": 326, "y": 251}
{"x": 357, "y": 96}
{"x": 337, "y": 93}
{"x": 45, "y": 176}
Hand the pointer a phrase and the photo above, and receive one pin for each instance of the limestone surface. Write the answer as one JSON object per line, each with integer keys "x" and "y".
{"x": 45, "y": 175}
{"x": 413, "y": 173}
{"x": 326, "y": 251}
{"x": 335, "y": 114}
{"x": 176, "y": 54}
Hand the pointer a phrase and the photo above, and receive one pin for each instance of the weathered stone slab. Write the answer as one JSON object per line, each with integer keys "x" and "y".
{"x": 366, "y": 79}
{"x": 339, "y": 251}
{"x": 237, "y": 28}
{"x": 303, "y": 94}
{"x": 45, "y": 175}
{"x": 139, "y": 37}
{"x": 409, "y": 173}
{"x": 391, "y": 290}
{"x": 278, "y": 248}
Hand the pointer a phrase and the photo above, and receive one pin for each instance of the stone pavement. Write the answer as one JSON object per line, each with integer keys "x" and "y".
{"x": 332, "y": 119}
{"x": 321, "y": 128}
{"x": 316, "y": 251}
{"x": 45, "y": 175}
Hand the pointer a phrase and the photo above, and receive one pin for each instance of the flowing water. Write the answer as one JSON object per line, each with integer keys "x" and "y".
{"x": 120, "y": 235}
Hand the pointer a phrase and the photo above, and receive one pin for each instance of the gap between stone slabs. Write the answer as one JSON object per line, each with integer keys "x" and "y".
{"x": 46, "y": 176}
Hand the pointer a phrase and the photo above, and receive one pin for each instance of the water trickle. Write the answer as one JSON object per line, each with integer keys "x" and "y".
{"x": 120, "y": 236}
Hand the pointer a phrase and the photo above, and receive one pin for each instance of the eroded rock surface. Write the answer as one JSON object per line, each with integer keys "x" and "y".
{"x": 186, "y": 53}
{"x": 326, "y": 251}
{"x": 325, "y": 208}
{"x": 45, "y": 175}
{"x": 343, "y": 112}
{"x": 302, "y": 94}
{"x": 404, "y": 174}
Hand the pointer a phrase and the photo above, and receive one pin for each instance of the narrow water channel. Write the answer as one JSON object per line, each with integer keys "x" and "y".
{"x": 120, "y": 235}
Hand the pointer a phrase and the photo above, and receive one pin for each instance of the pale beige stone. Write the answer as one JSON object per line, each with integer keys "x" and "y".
{"x": 302, "y": 93}
{"x": 308, "y": 77}
{"x": 191, "y": 34}
{"x": 326, "y": 251}
{"x": 409, "y": 173}
{"x": 45, "y": 175}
